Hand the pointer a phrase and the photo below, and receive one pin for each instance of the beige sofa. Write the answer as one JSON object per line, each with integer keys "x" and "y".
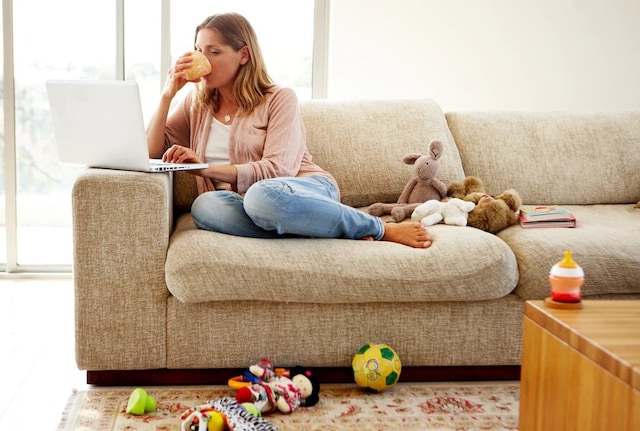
{"x": 158, "y": 301}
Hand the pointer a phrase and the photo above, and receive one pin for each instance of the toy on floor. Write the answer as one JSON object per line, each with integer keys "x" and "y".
{"x": 223, "y": 414}
{"x": 140, "y": 402}
{"x": 285, "y": 392}
{"x": 421, "y": 188}
{"x": 248, "y": 378}
{"x": 376, "y": 367}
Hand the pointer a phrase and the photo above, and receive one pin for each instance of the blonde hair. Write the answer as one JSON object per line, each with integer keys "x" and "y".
{"x": 252, "y": 81}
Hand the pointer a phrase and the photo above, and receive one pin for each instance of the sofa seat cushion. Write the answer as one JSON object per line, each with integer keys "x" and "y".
{"x": 463, "y": 264}
{"x": 605, "y": 243}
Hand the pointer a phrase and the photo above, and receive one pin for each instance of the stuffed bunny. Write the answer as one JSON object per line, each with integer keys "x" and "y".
{"x": 423, "y": 187}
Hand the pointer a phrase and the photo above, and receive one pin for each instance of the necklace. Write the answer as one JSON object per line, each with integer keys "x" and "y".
{"x": 227, "y": 115}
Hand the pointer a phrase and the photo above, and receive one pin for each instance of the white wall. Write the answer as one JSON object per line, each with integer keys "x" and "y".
{"x": 489, "y": 54}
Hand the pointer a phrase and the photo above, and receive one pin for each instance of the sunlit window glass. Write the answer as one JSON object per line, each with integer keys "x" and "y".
{"x": 47, "y": 44}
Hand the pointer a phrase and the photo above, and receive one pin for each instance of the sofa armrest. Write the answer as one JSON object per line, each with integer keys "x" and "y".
{"x": 121, "y": 227}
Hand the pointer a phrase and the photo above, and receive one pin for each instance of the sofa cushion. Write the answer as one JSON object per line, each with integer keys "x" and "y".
{"x": 605, "y": 244}
{"x": 463, "y": 264}
{"x": 362, "y": 143}
{"x": 553, "y": 158}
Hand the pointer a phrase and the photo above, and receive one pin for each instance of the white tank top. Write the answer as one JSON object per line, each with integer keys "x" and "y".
{"x": 217, "y": 149}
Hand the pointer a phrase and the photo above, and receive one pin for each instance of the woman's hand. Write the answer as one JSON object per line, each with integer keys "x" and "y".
{"x": 176, "y": 77}
{"x": 180, "y": 154}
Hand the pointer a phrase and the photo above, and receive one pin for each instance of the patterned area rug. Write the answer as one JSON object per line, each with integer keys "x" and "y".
{"x": 408, "y": 406}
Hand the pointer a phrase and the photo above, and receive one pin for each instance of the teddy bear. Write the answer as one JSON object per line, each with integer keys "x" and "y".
{"x": 421, "y": 188}
{"x": 285, "y": 392}
{"x": 452, "y": 212}
{"x": 491, "y": 213}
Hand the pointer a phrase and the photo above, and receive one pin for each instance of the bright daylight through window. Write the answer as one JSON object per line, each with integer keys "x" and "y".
{"x": 46, "y": 45}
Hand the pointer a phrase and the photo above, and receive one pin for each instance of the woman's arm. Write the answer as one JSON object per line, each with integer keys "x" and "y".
{"x": 182, "y": 154}
{"x": 270, "y": 144}
{"x": 156, "y": 128}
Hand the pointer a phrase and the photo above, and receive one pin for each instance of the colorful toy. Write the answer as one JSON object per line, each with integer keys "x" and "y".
{"x": 490, "y": 214}
{"x": 376, "y": 367}
{"x": 270, "y": 391}
{"x": 248, "y": 378}
{"x": 223, "y": 414}
{"x": 453, "y": 212}
{"x": 140, "y": 402}
{"x": 421, "y": 188}
{"x": 251, "y": 409}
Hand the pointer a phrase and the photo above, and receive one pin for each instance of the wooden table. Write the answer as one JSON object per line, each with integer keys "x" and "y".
{"x": 581, "y": 368}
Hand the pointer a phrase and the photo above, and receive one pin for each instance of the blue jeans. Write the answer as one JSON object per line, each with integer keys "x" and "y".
{"x": 284, "y": 208}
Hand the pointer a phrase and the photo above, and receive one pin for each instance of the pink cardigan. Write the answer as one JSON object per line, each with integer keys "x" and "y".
{"x": 269, "y": 142}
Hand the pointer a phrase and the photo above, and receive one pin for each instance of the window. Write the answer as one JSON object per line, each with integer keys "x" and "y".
{"x": 46, "y": 47}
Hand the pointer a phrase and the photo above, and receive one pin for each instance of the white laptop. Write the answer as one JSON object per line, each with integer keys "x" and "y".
{"x": 99, "y": 124}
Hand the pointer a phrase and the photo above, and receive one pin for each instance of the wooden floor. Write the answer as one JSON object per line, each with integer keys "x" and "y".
{"x": 37, "y": 365}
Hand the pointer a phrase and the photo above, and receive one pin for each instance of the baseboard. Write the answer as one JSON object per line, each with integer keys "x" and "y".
{"x": 220, "y": 376}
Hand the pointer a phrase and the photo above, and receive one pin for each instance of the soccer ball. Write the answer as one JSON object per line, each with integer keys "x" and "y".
{"x": 376, "y": 367}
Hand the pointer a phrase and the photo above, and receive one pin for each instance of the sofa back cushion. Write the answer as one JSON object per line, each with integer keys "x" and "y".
{"x": 362, "y": 143}
{"x": 553, "y": 158}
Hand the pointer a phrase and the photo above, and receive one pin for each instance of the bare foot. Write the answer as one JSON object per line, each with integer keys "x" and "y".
{"x": 413, "y": 234}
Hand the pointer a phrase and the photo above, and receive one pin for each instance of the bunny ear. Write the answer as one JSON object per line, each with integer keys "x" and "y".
{"x": 410, "y": 159}
{"x": 436, "y": 148}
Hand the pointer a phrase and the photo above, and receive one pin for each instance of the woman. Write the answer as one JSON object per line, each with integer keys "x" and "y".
{"x": 261, "y": 181}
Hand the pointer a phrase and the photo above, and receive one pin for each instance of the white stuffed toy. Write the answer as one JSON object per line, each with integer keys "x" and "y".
{"x": 453, "y": 212}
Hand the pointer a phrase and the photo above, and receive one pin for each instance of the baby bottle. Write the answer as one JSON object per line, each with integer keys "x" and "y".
{"x": 566, "y": 278}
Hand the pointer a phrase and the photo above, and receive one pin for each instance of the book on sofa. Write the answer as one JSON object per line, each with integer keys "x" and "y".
{"x": 545, "y": 216}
